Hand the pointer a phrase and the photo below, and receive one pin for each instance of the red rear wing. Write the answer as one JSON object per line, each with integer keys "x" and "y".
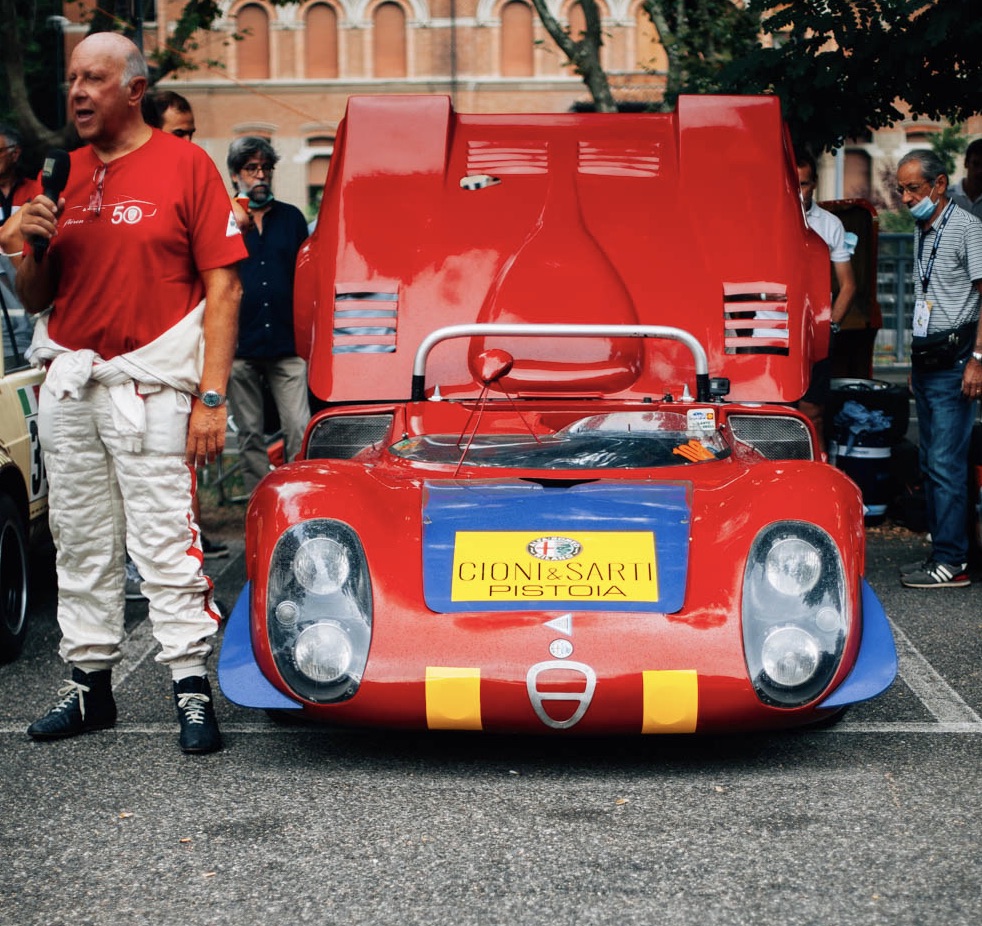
{"x": 689, "y": 219}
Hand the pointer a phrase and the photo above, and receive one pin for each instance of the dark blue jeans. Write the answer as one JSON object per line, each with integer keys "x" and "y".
{"x": 944, "y": 420}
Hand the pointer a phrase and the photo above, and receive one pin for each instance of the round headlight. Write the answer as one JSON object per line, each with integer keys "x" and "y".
{"x": 323, "y": 652}
{"x": 321, "y": 565}
{"x": 790, "y": 656}
{"x": 793, "y": 566}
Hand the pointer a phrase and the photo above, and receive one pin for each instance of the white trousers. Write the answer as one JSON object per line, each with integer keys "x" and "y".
{"x": 104, "y": 498}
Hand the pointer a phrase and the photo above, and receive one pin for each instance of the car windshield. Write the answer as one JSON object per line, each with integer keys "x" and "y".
{"x": 619, "y": 440}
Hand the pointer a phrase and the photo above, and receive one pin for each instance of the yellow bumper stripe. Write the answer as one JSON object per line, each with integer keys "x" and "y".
{"x": 453, "y": 698}
{"x": 671, "y": 701}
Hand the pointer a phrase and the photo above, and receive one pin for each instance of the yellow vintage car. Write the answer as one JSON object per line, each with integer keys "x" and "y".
{"x": 23, "y": 483}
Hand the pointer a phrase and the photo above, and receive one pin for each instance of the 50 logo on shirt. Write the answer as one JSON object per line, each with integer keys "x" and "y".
{"x": 132, "y": 211}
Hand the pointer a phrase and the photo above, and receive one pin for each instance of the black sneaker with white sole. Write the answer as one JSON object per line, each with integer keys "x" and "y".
{"x": 938, "y": 575}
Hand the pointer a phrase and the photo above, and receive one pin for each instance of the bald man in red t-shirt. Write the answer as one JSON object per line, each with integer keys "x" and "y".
{"x": 141, "y": 273}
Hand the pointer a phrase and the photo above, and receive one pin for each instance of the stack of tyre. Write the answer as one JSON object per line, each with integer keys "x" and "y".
{"x": 866, "y": 457}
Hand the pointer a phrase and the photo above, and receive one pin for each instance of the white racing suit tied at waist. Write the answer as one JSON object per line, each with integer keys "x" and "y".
{"x": 174, "y": 359}
{"x": 114, "y": 435}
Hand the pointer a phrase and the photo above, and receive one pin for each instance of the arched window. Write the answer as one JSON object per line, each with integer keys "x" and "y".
{"x": 577, "y": 22}
{"x": 389, "y": 38}
{"x": 651, "y": 52}
{"x": 517, "y": 40}
{"x": 252, "y": 53}
{"x": 322, "y": 42}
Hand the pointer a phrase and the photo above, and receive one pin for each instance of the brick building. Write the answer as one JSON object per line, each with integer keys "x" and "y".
{"x": 285, "y": 72}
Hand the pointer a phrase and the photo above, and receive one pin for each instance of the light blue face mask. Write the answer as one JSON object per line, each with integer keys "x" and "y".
{"x": 924, "y": 209}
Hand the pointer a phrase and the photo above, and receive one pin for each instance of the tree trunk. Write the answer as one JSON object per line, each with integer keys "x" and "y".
{"x": 36, "y": 134}
{"x": 583, "y": 54}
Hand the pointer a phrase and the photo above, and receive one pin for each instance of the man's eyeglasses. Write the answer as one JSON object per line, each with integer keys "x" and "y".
{"x": 911, "y": 188}
{"x": 95, "y": 197}
{"x": 253, "y": 169}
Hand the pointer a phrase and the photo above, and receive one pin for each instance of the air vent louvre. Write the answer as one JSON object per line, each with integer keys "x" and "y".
{"x": 486, "y": 157}
{"x": 365, "y": 321}
{"x": 755, "y": 318}
{"x": 619, "y": 159}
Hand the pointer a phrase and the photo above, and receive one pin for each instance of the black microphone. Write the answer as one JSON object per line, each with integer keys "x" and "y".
{"x": 54, "y": 178}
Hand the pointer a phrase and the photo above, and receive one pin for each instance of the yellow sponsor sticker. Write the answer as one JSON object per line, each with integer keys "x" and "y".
{"x": 671, "y": 701}
{"x": 453, "y": 698}
{"x": 594, "y": 566}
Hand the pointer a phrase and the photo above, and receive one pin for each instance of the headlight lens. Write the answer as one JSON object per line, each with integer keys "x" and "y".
{"x": 319, "y": 610}
{"x": 795, "y": 614}
{"x": 790, "y": 656}
{"x": 323, "y": 652}
{"x": 793, "y": 566}
{"x": 321, "y": 565}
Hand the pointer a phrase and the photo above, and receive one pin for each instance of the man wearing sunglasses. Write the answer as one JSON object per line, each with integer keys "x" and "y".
{"x": 139, "y": 263}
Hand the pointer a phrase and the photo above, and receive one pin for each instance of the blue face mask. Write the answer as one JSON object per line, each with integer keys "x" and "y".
{"x": 924, "y": 209}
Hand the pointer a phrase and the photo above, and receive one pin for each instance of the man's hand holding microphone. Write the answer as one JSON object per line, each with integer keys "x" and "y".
{"x": 38, "y": 225}
{"x": 40, "y": 220}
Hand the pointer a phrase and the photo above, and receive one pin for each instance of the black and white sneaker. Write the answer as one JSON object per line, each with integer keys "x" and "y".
{"x": 86, "y": 704}
{"x": 196, "y": 712}
{"x": 938, "y": 575}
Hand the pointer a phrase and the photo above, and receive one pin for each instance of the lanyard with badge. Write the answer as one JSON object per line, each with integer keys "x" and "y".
{"x": 922, "y": 307}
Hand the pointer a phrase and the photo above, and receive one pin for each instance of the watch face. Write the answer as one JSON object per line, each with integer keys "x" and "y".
{"x": 212, "y": 399}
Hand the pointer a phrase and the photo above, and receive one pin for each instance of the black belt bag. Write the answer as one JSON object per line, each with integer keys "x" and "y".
{"x": 943, "y": 349}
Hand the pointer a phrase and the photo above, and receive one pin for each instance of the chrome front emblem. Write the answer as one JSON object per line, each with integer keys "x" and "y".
{"x": 554, "y": 549}
{"x": 540, "y": 698}
{"x": 561, "y": 649}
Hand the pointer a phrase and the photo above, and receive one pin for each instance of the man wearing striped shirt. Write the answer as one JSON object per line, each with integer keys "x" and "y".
{"x": 946, "y": 377}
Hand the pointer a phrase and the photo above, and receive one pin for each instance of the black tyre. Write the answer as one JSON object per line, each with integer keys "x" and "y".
{"x": 13, "y": 580}
{"x": 893, "y": 399}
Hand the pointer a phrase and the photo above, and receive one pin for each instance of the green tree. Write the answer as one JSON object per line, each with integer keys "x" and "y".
{"x": 701, "y": 38}
{"x": 840, "y": 67}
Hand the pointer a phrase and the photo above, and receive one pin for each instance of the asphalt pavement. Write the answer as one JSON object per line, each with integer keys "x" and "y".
{"x": 874, "y": 821}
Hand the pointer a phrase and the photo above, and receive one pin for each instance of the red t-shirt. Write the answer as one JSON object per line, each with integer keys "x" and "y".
{"x": 129, "y": 269}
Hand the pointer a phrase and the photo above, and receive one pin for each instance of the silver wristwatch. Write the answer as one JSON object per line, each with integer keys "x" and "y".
{"x": 212, "y": 399}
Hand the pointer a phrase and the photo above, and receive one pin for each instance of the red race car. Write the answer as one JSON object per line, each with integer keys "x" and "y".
{"x": 559, "y": 485}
